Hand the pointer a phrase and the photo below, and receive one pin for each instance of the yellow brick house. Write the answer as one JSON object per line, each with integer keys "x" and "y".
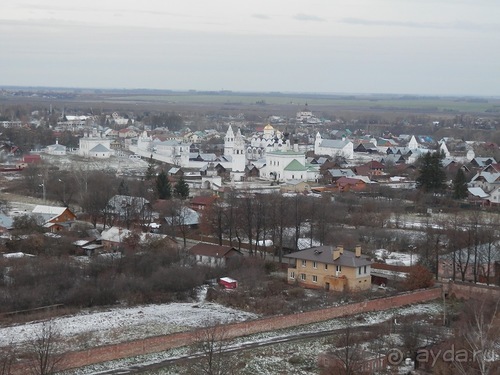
{"x": 330, "y": 268}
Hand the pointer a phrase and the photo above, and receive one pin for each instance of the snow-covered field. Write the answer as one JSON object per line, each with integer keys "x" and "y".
{"x": 90, "y": 328}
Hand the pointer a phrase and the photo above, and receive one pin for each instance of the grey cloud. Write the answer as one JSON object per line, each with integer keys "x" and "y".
{"x": 308, "y": 17}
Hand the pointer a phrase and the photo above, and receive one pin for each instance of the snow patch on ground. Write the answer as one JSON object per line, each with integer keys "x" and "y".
{"x": 122, "y": 324}
{"x": 396, "y": 258}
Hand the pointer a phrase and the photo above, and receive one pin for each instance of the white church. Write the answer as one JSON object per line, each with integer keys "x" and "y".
{"x": 95, "y": 146}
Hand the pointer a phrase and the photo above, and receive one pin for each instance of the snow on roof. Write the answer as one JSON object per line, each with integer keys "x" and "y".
{"x": 114, "y": 234}
{"x": 80, "y": 242}
{"x": 227, "y": 279}
{"x": 185, "y": 216}
{"x": 17, "y": 255}
{"x": 477, "y": 192}
{"x": 490, "y": 177}
{"x": 50, "y": 210}
{"x": 92, "y": 246}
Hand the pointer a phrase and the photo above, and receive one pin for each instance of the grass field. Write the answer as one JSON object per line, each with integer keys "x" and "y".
{"x": 446, "y": 105}
{"x": 366, "y": 102}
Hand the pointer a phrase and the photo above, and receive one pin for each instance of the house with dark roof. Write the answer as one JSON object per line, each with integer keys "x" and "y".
{"x": 376, "y": 168}
{"x": 332, "y": 175}
{"x": 479, "y": 162}
{"x": 329, "y": 268}
{"x": 366, "y": 147}
{"x": 252, "y": 171}
{"x": 175, "y": 171}
{"x": 213, "y": 255}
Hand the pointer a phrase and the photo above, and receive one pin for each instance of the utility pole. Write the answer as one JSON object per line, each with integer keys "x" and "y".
{"x": 444, "y": 304}
{"x": 42, "y": 185}
{"x": 64, "y": 191}
{"x": 43, "y": 190}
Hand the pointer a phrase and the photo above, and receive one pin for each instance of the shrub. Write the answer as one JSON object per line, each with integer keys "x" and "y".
{"x": 419, "y": 277}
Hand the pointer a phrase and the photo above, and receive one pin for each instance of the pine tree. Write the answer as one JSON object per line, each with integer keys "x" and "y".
{"x": 460, "y": 185}
{"x": 123, "y": 188}
{"x": 163, "y": 187}
{"x": 181, "y": 189}
{"x": 432, "y": 176}
{"x": 150, "y": 172}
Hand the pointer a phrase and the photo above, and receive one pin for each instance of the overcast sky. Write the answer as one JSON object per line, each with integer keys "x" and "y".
{"x": 349, "y": 46}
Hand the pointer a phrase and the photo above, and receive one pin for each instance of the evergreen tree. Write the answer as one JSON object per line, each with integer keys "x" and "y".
{"x": 163, "y": 187}
{"x": 460, "y": 185}
{"x": 181, "y": 189}
{"x": 432, "y": 176}
{"x": 123, "y": 188}
{"x": 150, "y": 172}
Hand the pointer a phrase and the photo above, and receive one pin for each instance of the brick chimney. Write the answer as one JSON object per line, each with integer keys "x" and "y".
{"x": 340, "y": 249}
{"x": 336, "y": 254}
{"x": 358, "y": 251}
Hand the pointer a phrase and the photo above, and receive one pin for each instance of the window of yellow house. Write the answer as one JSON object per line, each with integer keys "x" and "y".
{"x": 292, "y": 275}
{"x": 304, "y": 263}
{"x": 315, "y": 264}
{"x": 303, "y": 276}
{"x": 315, "y": 279}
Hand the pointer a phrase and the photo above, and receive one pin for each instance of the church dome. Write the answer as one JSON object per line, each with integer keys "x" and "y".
{"x": 268, "y": 127}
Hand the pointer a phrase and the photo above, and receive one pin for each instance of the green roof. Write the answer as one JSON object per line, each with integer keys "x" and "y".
{"x": 295, "y": 166}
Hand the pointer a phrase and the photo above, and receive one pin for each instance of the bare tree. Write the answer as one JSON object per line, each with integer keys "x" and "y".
{"x": 94, "y": 199}
{"x": 211, "y": 345}
{"x": 7, "y": 356}
{"x": 213, "y": 220}
{"x": 277, "y": 215}
{"x": 43, "y": 348}
{"x": 481, "y": 337}
{"x": 346, "y": 354}
{"x": 177, "y": 216}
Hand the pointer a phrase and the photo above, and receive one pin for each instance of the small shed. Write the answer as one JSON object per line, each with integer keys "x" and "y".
{"x": 228, "y": 283}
